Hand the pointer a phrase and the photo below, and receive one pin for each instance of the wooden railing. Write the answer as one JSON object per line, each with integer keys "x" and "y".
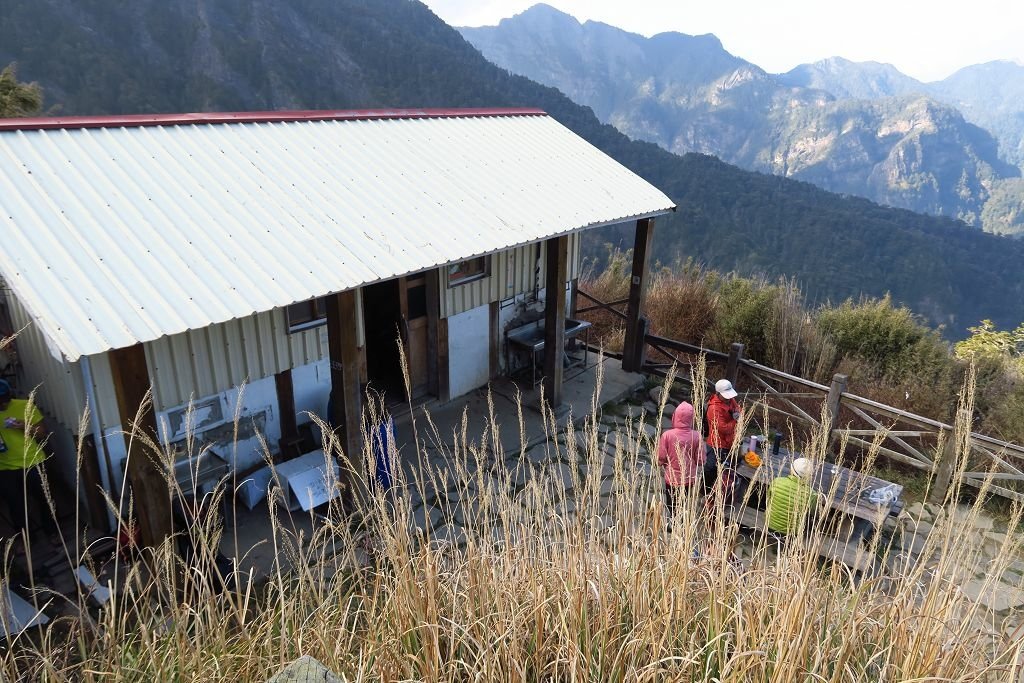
{"x": 901, "y": 436}
{"x": 597, "y": 305}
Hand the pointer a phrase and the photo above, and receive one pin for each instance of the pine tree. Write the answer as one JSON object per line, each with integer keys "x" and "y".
{"x": 16, "y": 98}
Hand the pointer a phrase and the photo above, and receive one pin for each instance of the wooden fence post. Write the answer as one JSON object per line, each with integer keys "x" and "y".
{"x": 835, "y": 396}
{"x": 947, "y": 461}
{"x": 643, "y": 326}
{"x": 732, "y": 366}
{"x": 798, "y": 362}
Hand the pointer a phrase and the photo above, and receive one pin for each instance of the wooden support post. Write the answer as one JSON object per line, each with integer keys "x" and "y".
{"x": 286, "y": 410}
{"x": 570, "y": 307}
{"x": 92, "y": 483}
{"x": 574, "y": 288}
{"x": 433, "y": 285}
{"x": 554, "y": 318}
{"x": 346, "y": 396}
{"x": 835, "y": 395}
{"x": 444, "y": 391}
{"x": 732, "y": 366}
{"x": 150, "y": 491}
{"x": 637, "y": 289}
{"x": 494, "y": 339}
{"x": 945, "y": 468}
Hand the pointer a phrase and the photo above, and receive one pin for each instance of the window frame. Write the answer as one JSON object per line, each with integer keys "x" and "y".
{"x": 485, "y": 271}
{"x": 319, "y": 306}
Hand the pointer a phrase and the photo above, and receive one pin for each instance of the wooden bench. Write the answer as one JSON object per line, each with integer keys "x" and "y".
{"x": 833, "y": 548}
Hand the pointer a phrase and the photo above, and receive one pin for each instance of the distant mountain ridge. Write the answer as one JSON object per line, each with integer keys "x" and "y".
{"x": 99, "y": 57}
{"x": 990, "y": 95}
{"x": 901, "y": 147}
{"x": 844, "y": 79}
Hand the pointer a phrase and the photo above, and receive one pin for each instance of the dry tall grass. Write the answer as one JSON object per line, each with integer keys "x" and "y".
{"x": 691, "y": 304}
{"x": 553, "y": 571}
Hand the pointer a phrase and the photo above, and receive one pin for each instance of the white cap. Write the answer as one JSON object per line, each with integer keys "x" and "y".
{"x": 803, "y": 468}
{"x": 724, "y": 387}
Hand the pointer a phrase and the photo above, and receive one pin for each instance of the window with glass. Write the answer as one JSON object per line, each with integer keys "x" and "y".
{"x": 468, "y": 270}
{"x": 306, "y": 314}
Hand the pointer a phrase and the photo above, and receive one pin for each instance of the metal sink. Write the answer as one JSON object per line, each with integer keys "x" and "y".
{"x": 531, "y": 335}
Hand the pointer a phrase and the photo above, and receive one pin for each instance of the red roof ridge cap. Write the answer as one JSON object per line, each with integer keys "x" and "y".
{"x": 140, "y": 120}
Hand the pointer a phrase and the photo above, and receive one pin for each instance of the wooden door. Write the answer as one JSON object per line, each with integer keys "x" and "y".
{"x": 414, "y": 327}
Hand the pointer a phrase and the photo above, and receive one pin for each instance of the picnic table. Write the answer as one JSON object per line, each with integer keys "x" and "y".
{"x": 866, "y": 500}
{"x": 846, "y": 491}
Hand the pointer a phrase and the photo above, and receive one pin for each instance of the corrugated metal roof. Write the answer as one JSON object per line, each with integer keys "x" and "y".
{"x": 117, "y": 234}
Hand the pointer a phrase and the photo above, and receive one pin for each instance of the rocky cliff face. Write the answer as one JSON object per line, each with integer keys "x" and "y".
{"x": 989, "y": 95}
{"x": 687, "y": 94}
{"x": 909, "y": 151}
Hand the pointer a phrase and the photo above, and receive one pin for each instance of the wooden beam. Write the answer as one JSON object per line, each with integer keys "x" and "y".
{"x": 92, "y": 482}
{"x": 433, "y": 284}
{"x": 150, "y": 491}
{"x": 554, "y": 317}
{"x": 346, "y": 395}
{"x": 571, "y": 306}
{"x": 286, "y": 411}
{"x": 444, "y": 393}
{"x": 574, "y": 297}
{"x": 494, "y": 339}
{"x": 637, "y": 290}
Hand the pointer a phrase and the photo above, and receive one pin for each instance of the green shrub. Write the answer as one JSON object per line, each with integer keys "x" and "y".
{"x": 998, "y": 356}
{"x": 893, "y": 341}
{"x": 988, "y": 341}
{"x": 773, "y": 324}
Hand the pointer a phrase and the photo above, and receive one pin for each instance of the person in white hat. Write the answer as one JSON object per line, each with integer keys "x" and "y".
{"x": 721, "y": 417}
{"x": 791, "y": 498}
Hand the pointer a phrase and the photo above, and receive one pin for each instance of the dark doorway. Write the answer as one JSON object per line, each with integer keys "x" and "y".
{"x": 382, "y": 315}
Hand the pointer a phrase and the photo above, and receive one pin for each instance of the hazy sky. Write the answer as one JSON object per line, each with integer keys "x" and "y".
{"x": 926, "y": 40}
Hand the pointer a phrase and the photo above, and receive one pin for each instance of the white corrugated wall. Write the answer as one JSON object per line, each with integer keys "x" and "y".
{"x": 61, "y": 395}
{"x": 513, "y": 272}
{"x": 182, "y": 367}
{"x": 204, "y": 362}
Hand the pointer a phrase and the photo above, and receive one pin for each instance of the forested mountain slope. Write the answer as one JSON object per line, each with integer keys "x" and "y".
{"x": 95, "y": 56}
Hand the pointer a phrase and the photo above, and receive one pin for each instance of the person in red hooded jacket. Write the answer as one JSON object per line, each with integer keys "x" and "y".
{"x": 681, "y": 457}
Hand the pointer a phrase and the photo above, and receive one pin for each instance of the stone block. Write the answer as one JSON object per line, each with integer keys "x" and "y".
{"x": 994, "y": 595}
{"x": 303, "y": 670}
{"x": 426, "y": 516}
